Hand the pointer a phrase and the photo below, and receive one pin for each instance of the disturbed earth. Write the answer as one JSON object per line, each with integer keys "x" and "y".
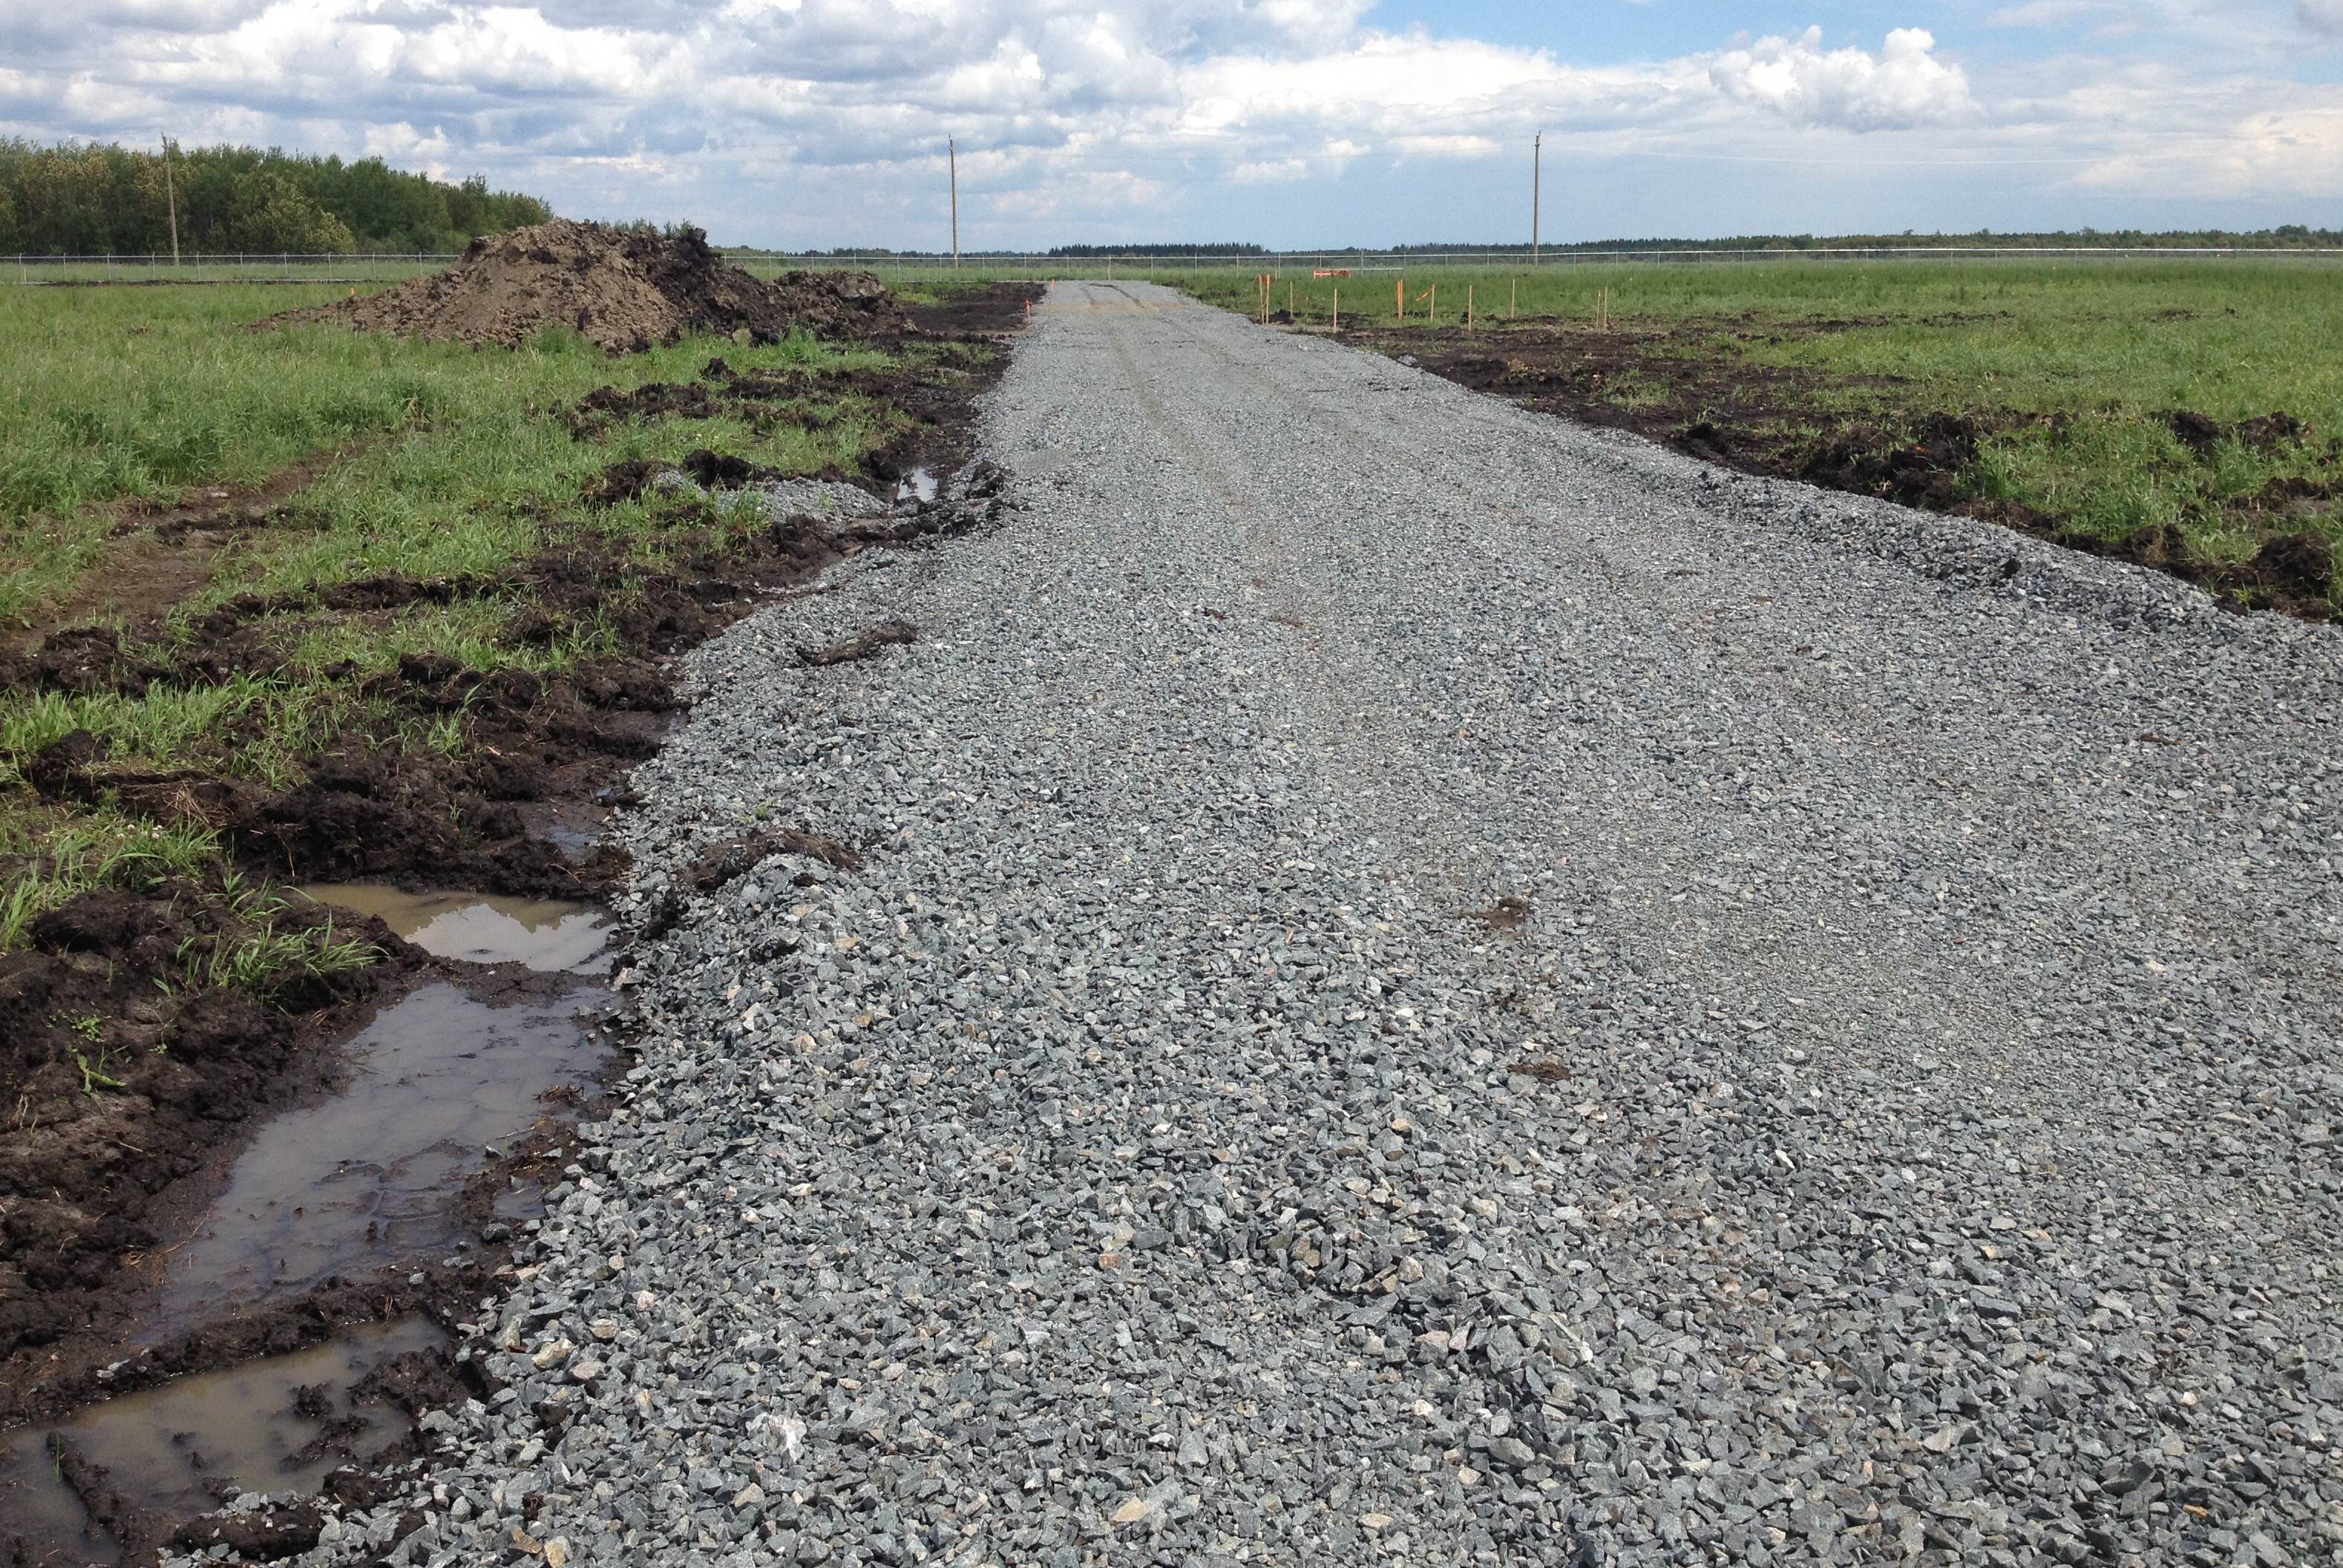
{"x": 199, "y": 1172}
{"x": 1689, "y": 385}
{"x": 1364, "y": 976}
{"x": 620, "y": 290}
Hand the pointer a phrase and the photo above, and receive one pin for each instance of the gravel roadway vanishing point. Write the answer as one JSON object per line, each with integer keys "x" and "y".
{"x": 1428, "y": 986}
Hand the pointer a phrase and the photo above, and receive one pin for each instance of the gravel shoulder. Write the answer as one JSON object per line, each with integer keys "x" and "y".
{"x": 1427, "y": 985}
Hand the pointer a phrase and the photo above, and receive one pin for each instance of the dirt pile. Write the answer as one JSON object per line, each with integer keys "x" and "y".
{"x": 623, "y": 291}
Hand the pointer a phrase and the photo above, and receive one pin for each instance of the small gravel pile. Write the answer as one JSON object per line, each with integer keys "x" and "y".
{"x": 1427, "y": 987}
{"x": 622, "y": 290}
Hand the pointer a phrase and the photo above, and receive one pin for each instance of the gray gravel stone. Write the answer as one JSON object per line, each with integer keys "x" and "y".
{"x": 1894, "y": 1122}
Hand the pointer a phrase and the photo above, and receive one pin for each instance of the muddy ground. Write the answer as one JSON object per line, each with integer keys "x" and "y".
{"x": 1688, "y": 385}
{"x": 96, "y": 1171}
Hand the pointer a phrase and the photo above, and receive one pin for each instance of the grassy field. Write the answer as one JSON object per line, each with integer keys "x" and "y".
{"x": 421, "y": 462}
{"x": 2072, "y": 371}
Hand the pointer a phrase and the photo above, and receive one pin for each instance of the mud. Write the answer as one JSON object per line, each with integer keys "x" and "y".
{"x": 549, "y": 935}
{"x": 623, "y": 292}
{"x": 104, "y": 1181}
{"x": 116, "y": 1089}
{"x": 1687, "y": 387}
{"x": 368, "y": 1176}
{"x": 735, "y": 858}
{"x": 115, "y": 1480}
{"x": 1507, "y": 914}
{"x": 864, "y": 644}
{"x": 933, "y": 415}
{"x": 371, "y": 813}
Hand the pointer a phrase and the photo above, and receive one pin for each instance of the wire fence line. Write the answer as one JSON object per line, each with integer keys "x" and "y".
{"x": 381, "y": 268}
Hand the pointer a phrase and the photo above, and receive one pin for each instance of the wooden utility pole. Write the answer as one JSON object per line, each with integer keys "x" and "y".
{"x": 171, "y": 196}
{"x": 1537, "y": 185}
{"x": 951, "y": 151}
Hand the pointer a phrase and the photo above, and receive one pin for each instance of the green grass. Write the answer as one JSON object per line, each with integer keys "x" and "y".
{"x": 152, "y": 394}
{"x": 258, "y": 954}
{"x": 439, "y": 462}
{"x": 2109, "y": 345}
{"x": 57, "y": 855}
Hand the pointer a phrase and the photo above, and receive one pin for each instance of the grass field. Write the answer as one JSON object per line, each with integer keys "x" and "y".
{"x": 421, "y": 462}
{"x": 2072, "y": 371}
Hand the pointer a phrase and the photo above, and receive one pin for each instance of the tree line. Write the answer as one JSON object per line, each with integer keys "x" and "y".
{"x": 101, "y": 199}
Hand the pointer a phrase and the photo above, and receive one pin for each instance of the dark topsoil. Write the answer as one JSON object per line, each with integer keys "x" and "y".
{"x": 1682, "y": 386}
{"x": 622, "y": 290}
{"x": 92, "y": 1174}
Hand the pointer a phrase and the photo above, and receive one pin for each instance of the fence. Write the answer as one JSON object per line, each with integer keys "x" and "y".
{"x": 912, "y": 266}
{"x": 287, "y": 268}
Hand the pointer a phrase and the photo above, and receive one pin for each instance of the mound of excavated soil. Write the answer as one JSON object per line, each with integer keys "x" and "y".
{"x": 624, "y": 291}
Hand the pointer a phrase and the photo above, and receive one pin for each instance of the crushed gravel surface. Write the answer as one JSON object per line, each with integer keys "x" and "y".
{"x": 1428, "y": 986}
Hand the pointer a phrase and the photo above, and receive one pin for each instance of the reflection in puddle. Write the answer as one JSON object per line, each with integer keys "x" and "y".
{"x": 549, "y": 934}
{"x": 919, "y": 484}
{"x": 367, "y": 1177}
{"x": 192, "y": 1444}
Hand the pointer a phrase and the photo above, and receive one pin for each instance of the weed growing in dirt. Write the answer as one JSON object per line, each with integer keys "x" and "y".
{"x": 265, "y": 956}
{"x": 2105, "y": 402}
{"x": 51, "y": 855}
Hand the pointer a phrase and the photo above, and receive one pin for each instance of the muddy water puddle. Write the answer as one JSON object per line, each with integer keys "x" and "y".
{"x": 919, "y": 484}
{"x": 554, "y": 935}
{"x": 369, "y": 1183}
{"x": 278, "y": 1424}
{"x": 370, "y": 1176}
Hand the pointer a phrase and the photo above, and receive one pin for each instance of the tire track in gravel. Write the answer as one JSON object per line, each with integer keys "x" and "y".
{"x": 1880, "y": 746}
{"x": 1926, "y": 762}
{"x": 1679, "y": 614}
{"x": 1125, "y": 1164}
{"x": 1370, "y": 747}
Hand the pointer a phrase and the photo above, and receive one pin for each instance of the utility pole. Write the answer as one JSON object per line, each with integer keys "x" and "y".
{"x": 952, "y": 150}
{"x": 1537, "y": 190}
{"x": 171, "y": 195}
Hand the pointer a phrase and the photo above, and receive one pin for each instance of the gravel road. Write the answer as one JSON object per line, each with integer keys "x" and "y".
{"x": 1428, "y": 986}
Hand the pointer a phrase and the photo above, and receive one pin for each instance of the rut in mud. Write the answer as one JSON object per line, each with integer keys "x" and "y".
{"x": 131, "y": 1100}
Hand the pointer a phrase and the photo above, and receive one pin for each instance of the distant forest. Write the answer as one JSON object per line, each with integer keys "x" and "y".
{"x": 93, "y": 199}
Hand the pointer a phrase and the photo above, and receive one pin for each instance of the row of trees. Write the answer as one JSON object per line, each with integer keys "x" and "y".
{"x": 92, "y": 199}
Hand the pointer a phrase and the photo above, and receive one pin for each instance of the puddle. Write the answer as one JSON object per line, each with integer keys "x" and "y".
{"x": 190, "y": 1445}
{"x": 367, "y": 1177}
{"x": 555, "y": 935}
{"x": 916, "y": 485}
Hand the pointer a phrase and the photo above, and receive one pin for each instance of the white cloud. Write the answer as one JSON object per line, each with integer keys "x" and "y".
{"x": 1903, "y": 86}
{"x": 798, "y": 119}
{"x": 2320, "y": 16}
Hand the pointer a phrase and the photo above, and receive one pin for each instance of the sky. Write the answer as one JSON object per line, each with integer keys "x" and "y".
{"x": 805, "y": 124}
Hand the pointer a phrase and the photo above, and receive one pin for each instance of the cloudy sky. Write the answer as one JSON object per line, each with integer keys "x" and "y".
{"x": 1294, "y": 123}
